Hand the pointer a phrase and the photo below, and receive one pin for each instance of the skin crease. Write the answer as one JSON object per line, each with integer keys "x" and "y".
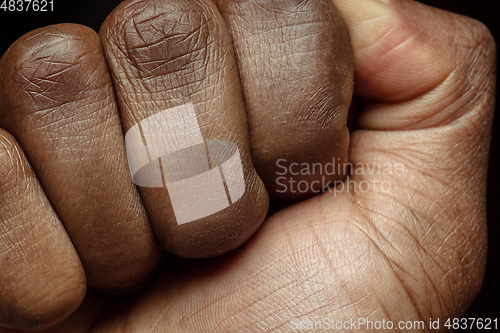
{"x": 301, "y": 123}
{"x": 188, "y": 59}
{"x": 413, "y": 252}
{"x": 64, "y": 116}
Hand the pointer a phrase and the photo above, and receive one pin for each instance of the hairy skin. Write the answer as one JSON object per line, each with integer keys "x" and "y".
{"x": 411, "y": 252}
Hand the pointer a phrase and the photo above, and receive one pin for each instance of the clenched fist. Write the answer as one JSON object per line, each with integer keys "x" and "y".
{"x": 203, "y": 127}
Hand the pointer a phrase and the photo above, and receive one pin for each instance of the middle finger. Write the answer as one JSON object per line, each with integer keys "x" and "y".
{"x": 182, "y": 109}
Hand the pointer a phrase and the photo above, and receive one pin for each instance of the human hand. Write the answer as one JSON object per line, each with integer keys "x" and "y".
{"x": 395, "y": 244}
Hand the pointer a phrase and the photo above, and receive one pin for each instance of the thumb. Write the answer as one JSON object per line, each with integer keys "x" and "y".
{"x": 427, "y": 77}
{"x": 420, "y": 66}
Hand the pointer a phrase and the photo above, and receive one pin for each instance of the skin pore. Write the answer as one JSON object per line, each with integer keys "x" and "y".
{"x": 72, "y": 217}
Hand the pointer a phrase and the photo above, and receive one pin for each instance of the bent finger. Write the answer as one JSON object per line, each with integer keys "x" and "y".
{"x": 187, "y": 139}
{"x": 42, "y": 279}
{"x": 295, "y": 62}
{"x": 58, "y": 101}
{"x": 420, "y": 156}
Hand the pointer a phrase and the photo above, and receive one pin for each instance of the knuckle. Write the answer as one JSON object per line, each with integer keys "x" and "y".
{"x": 279, "y": 10}
{"x": 11, "y": 162}
{"x": 474, "y": 73}
{"x": 158, "y": 37}
{"x": 281, "y": 4}
{"x": 49, "y": 66}
{"x": 477, "y": 41}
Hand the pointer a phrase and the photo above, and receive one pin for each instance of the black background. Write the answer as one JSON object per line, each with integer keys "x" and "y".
{"x": 93, "y": 12}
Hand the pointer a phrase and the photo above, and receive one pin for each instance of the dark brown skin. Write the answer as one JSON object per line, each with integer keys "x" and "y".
{"x": 34, "y": 249}
{"x": 172, "y": 53}
{"x": 58, "y": 102}
{"x": 290, "y": 118}
{"x": 71, "y": 217}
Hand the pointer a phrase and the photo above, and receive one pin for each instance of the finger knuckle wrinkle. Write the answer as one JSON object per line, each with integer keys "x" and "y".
{"x": 475, "y": 68}
{"x": 163, "y": 37}
{"x": 11, "y": 164}
{"x": 478, "y": 40}
{"x": 51, "y": 67}
{"x": 283, "y": 5}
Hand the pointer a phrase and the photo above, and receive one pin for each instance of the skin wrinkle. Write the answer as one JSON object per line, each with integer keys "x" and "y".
{"x": 417, "y": 243}
{"x": 291, "y": 251}
{"x": 7, "y": 164}
{"x": 341, "y": 307}
{"x": 192, "y": 85}
{"x": 298, "y": 108}
{"x": 23, "y": 242}
{"x": 468, "y": 37}
{"x": 58, "y": 72}
{"x": 411, "y": 213}
{"x": 224, "y": 323}
{"x": 387, "y": 51}
{"x": 383, "y": 251}
{"x": 409, "y": 122}
{"x": 229, "y": 294}
{"x": 17, "y": 241}
{"x": 201, "y": 67}
{"x": 189, "y": 35}
{"x": 176, "y": 82}
{"x": 47, "y": 111}
{"x": 437, "y": 290}
{"x": 73, "y": 143}
{"x": 390, "y": 264}
{"x": 386, "y": 228}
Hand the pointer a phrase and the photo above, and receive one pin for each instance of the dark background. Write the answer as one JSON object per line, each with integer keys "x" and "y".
{"x": 93, "y": 12}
